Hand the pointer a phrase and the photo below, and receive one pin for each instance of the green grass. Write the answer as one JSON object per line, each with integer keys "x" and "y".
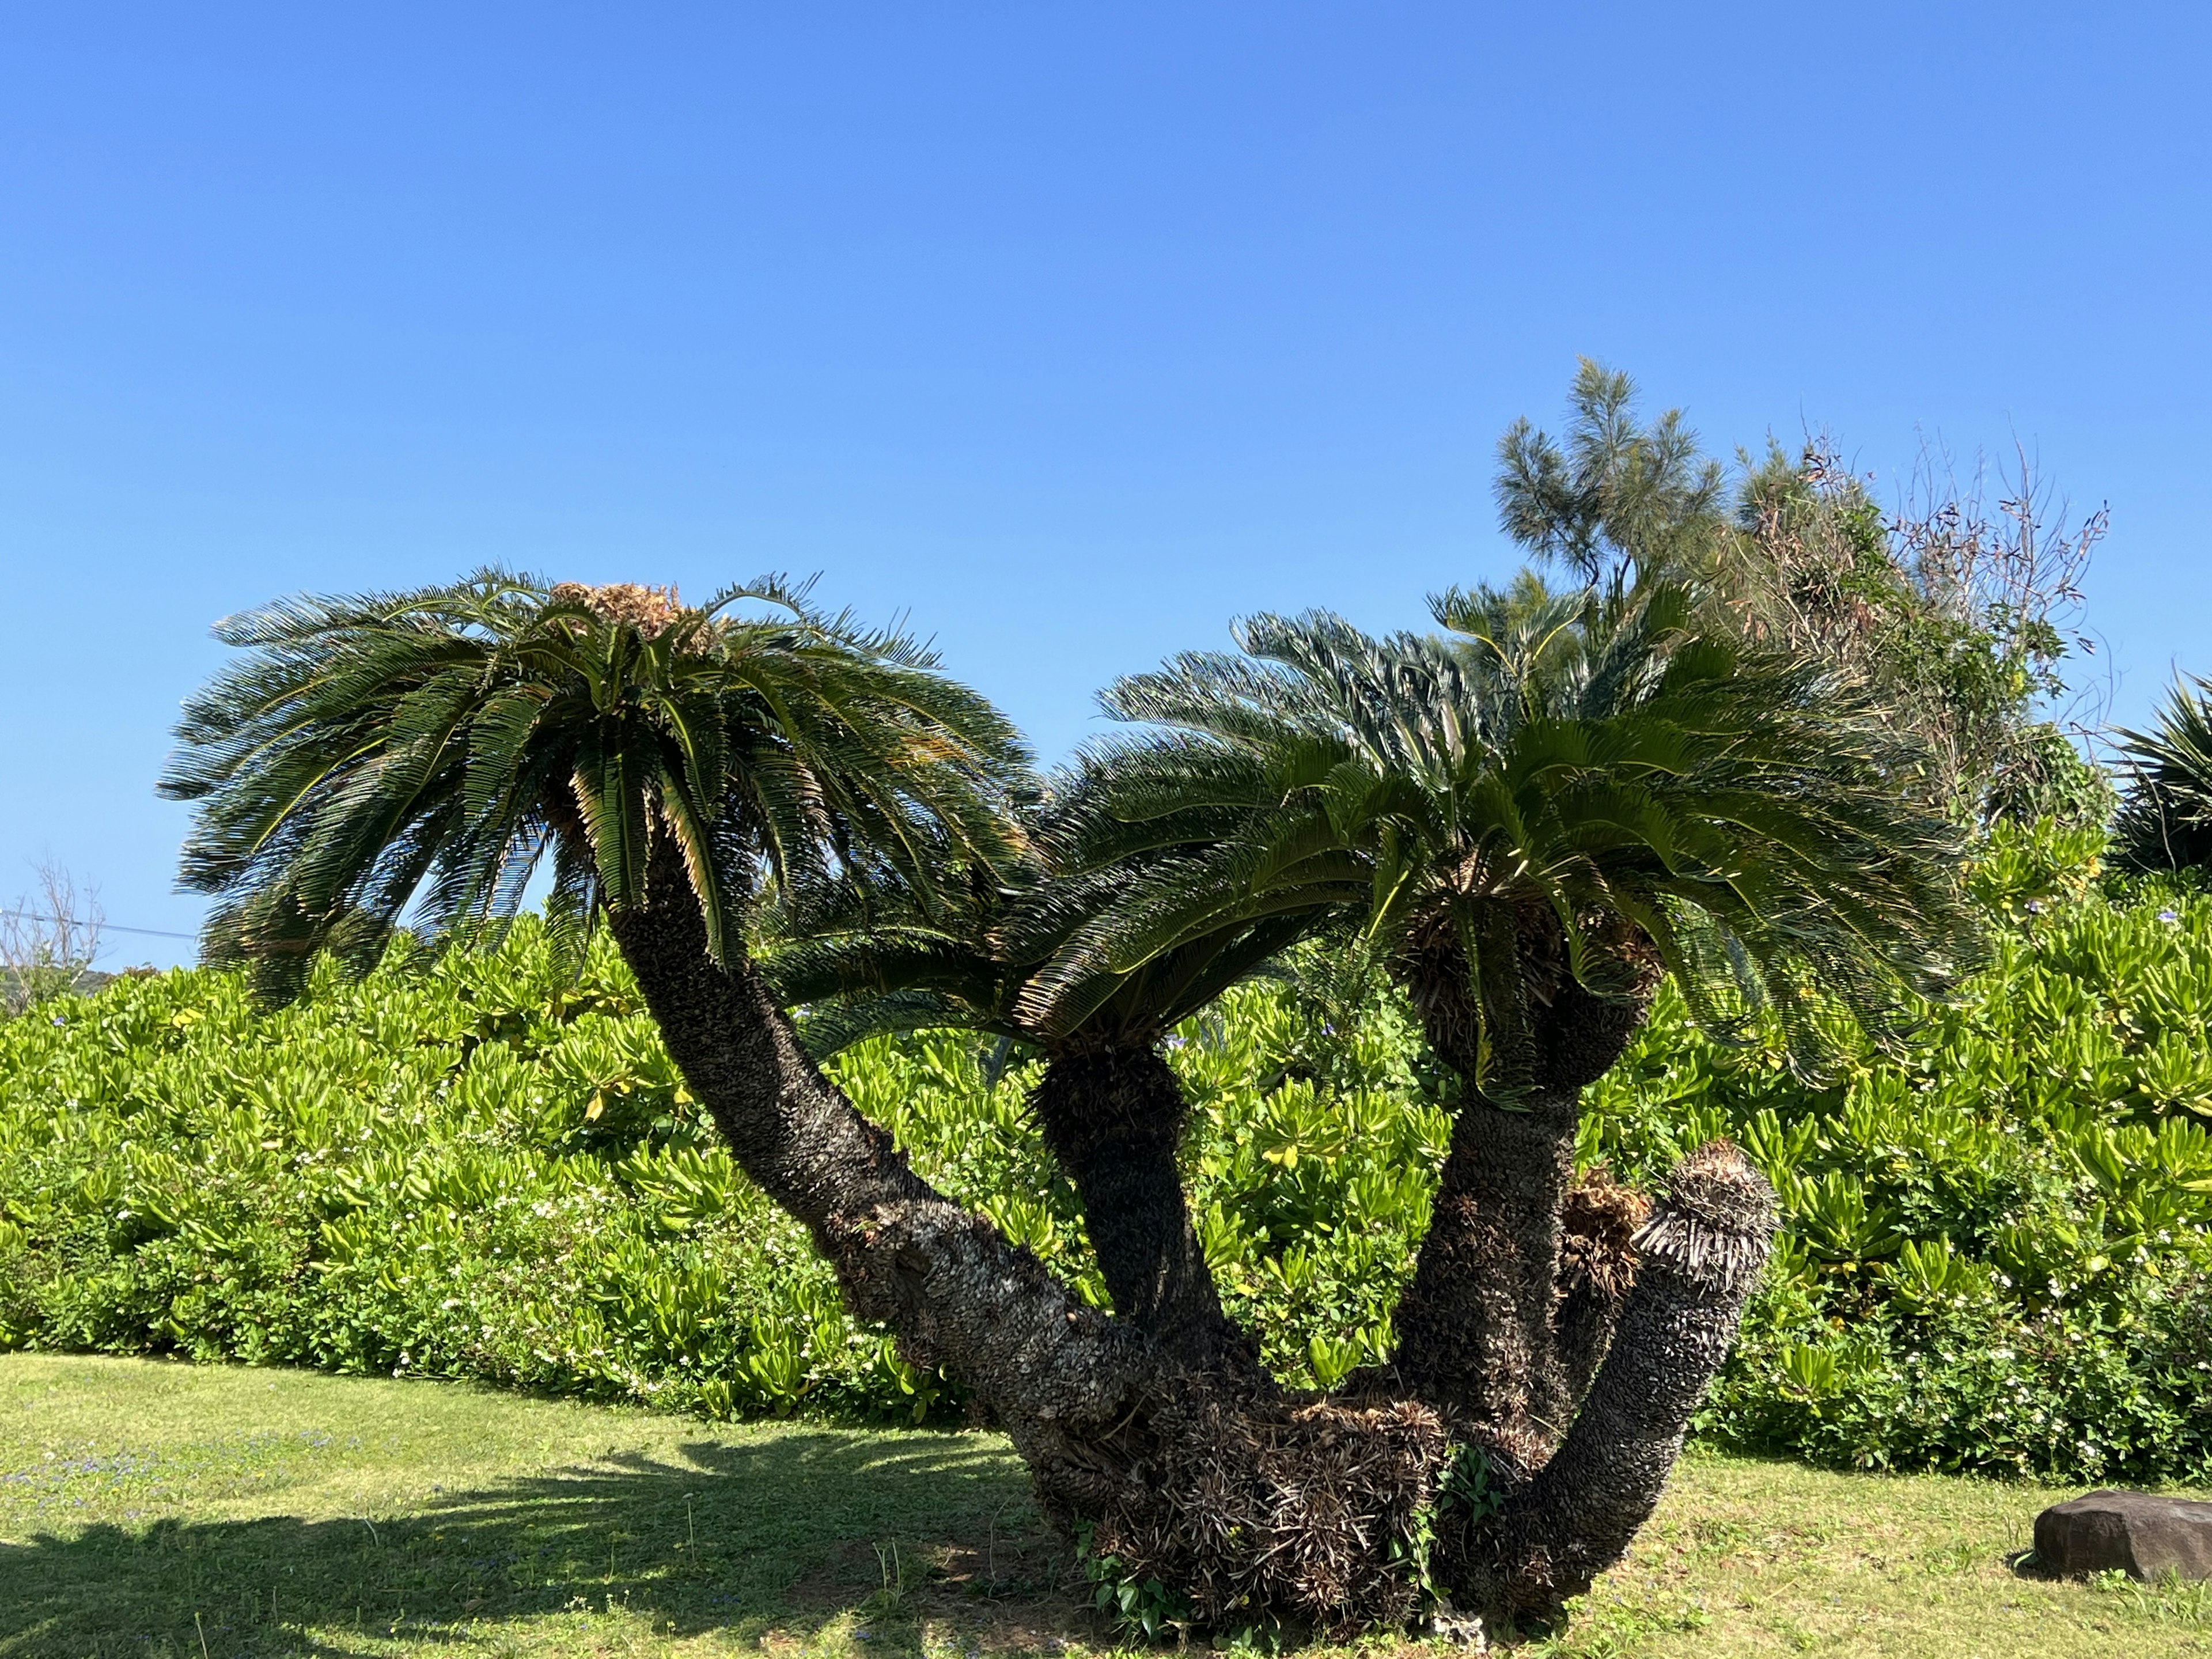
{"x": 147, "y": 1507}
{"x": 296, "y": 1513}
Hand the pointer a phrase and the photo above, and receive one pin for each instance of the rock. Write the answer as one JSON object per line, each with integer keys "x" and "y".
{"x": 2142, "y": 1535}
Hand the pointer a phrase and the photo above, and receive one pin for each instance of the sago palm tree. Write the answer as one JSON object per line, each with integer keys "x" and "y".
{"x": 418, "y": 754}
{"x": 413, "y": 756}
{"x": 1536, "y": 817}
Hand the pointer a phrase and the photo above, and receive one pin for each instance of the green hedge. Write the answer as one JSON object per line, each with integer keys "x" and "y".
{"x": 478, "y": 1168}
{"x": 1995, "y": 1250}
{"x": 1994, "y": 1258}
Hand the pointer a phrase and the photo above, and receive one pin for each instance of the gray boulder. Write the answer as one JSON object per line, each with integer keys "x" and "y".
{"x": 2142, "y": 1535}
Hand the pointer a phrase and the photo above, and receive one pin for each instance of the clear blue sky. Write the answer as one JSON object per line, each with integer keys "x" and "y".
{"x": 1072, "y": 332}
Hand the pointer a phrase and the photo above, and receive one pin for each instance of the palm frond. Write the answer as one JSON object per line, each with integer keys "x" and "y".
{"x": 2165, "y": 821}
{"x": 1578, "y": 756}
{"x": 377, "y": 757}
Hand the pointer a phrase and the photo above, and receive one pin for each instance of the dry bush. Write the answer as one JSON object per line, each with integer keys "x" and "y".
{"x": 49, "y": 939}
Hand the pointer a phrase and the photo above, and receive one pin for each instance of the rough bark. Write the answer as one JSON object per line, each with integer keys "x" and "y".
{"x": 1702, "y": 1249}
{"x": 1114, "y": 1118}
{"x": 1058, "y": 1374}
{"x": 1480, "y": 1331}
{"x": 1252, "y": 1504}
{"x": 1560, "y": 1327}
{"x": 1474, "y": 1325}
{"x": 1274, "y": 1509}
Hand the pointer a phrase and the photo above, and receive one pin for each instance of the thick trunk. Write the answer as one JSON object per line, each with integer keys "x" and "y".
{"x": 1252, "y": 1505}
{"x": 1474, "y": 1328}
{"x": 1521, "y": 1282}
{"x": 1115, "y": 1119}
{"x": 1703, "y": 1249}
{"x": 1484, "y": 1334}
{"x": 957, "y": 1295}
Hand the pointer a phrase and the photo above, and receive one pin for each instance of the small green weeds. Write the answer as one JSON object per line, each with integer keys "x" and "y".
{"x": 2170, "y": 1600}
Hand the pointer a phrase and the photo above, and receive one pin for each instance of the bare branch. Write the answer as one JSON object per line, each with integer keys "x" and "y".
{"x": 48, "y": 939}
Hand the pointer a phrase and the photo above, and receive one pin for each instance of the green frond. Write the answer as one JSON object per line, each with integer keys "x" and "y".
{"x": 2165, "y": 820}
{"x": 417, "y": 755}
{"x": 1581, "y": 756}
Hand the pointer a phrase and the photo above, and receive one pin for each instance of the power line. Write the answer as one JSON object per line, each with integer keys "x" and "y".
{"x": 90, "y": 927}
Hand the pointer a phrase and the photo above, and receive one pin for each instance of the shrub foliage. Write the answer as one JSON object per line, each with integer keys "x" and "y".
{"x": 479, "y": 1165}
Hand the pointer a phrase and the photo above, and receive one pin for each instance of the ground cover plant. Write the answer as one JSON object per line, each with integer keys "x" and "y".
{"x": 1996, "y": 1248}
{"x": 147, "y": 1509}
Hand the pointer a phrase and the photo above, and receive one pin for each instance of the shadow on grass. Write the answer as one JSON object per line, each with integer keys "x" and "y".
{"x": 787, "y": 1533}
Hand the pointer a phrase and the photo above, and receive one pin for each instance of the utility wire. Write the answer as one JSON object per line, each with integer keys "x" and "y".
{"x": 101, "y": 927}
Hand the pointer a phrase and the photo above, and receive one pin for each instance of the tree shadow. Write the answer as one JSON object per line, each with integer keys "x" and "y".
{"x": 788, "y": 1533}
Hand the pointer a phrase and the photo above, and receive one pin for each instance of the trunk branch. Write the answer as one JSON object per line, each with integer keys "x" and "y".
{"x": 1474, "y": 1328}
{"x": 1115, "y": 1119}
{"x": 950, "y": 1286}
{"x": 1703, "y": 1249}
{"x": 1484, "y": 1335}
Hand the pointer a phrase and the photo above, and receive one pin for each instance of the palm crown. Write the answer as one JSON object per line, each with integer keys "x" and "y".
{"x": 431, "y": 748}
{"x": 1562, "y": 791}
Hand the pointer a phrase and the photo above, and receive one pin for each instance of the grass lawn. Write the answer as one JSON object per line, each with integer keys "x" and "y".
{"x": 164, "y": 1510}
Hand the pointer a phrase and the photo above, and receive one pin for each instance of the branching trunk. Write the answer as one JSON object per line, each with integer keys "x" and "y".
{"x": 1702, "y": 1251}
{"x": 1564, "y": 1329}
{"x": 957, "y": 1294}
{"x": 1114, "y": 1118}
{"x": 1252, "y": 1504}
